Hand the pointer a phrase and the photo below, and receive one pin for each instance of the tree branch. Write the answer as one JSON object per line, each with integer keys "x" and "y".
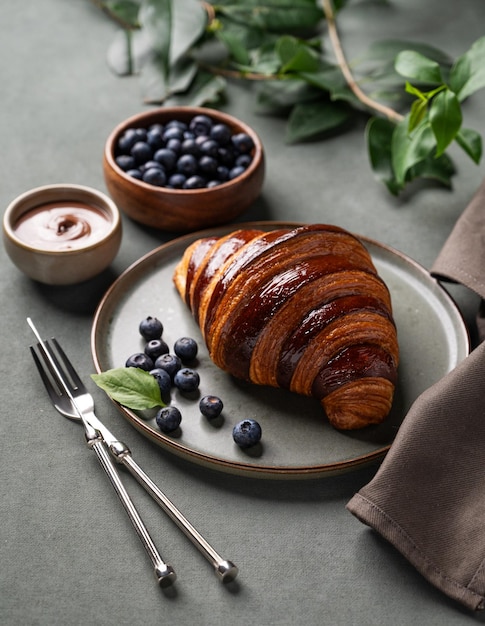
{"x": 344, "y": 66}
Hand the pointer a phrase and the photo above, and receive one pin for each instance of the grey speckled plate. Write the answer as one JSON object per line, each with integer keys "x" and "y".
{"x": 297, "y": 440}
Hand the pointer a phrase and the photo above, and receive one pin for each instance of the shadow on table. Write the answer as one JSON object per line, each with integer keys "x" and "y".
{"x": 82, "y": 298}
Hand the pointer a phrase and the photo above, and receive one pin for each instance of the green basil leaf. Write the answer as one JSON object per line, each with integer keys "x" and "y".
{"x": 445, "y": 118}
{"x": 468, "y": 73}
{"x": 414, "y": 65}
{"x": 471, "y": 142}
{"x": 131, "y": 387}
{"x": 309, "y": 119}
{"x": 379, "y": 136}
{"x": 408, "y": 149}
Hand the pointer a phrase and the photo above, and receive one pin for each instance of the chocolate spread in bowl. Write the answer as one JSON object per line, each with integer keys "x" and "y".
{"x": 62, "y": 226}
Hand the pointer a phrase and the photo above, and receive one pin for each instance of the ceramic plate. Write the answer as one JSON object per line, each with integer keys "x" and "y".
{"x": 297, "y": 440}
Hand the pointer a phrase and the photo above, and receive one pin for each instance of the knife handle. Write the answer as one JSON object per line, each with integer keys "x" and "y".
{"x": 164, "y": 573}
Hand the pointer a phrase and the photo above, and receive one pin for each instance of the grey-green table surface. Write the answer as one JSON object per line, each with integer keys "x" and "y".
{"x": 68, "y": 554}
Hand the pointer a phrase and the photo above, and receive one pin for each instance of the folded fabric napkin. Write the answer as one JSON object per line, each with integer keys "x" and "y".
{"x": 428, "y": 496}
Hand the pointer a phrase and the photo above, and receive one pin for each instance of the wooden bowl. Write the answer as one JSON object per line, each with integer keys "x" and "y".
{"x": 182, "y": 210}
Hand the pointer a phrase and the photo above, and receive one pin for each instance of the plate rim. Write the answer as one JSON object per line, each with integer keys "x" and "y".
{"x": 290, "y": 472}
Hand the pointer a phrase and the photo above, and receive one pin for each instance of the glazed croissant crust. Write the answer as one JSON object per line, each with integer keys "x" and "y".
{"x": 302, "y": 309}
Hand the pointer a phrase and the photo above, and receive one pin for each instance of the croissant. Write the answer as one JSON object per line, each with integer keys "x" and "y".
{"x": 302, "y": 309}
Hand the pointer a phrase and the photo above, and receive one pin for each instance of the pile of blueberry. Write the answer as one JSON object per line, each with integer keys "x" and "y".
{"x": 171, "y": 369}
{"x": 197, "y": 154}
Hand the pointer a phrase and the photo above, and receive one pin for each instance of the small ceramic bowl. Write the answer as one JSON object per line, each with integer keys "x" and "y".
{"x": 182, "y": 210}
{"x": 62, "y": 234}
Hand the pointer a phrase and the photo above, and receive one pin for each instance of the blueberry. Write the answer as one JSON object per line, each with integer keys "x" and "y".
{"x": 150, "y": 328}
{"x": 213, "y": 183}
{"x": 226, "y": 156}
{"x": 177, "y": 124}
{"x": 163, "y": 379}
{"x": 168, "y": 419}
{"x": 140, "y": 360}
{"x": 125, "y": 162}
{"x": 127, "y": 140}
{"x": 156, "y": 127}
{"x": 155, "y": 348}
{"x": 154, "y": 138}
{"x": 194, "y": 182}
{"x": 222, "y": 173}
{"x": 141, "y": 134}
{"x": 244, "y": 160}
{"x": 187, "y": 164}
{"x": 155, "y": 176}
{"x": 175, "y": 145}
{"x": 149, "y": 164}
{"x": 190, "y": 146}
{"x": 247, "y": 433}
{"x": 211, "y": 406}
{"x": 221, "y": 133}
{"x": 173, "y": 132}
{"x": 166, "y": 157}
{"x": 177, "y": 181}
{"x": 135, "y": 174}
{"x": 210, "y": 148}
{"x": 186, "y": 379}
{"x": 186, "y": 349}
{"x": 243, "y": 143}
{"x": 236, "y": 171}
{"x": 141, "y": 152}
{"x": 208, "y": 165}
{"x": 171, "y": 363}
{"x": 200, "y": 125}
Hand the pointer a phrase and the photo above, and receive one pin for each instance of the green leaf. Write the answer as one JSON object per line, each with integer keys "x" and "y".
{"x": 414, "y": 91}
{"x": 330, "y": 78}
{"x": 379, "y": 137}
{"x": 418, "y": 111}
{"x": 468, "y": 73}
{"x": 131, "y": 387}
{"x": 386, "y": 49}
{"x": 295, "y": 56}
{"x": 281, "y": 16}
{"x": 124, "y": 11}
{"x": 445, "y": 118}
{"x": 471, "y": 142}
{"x": 408, "y": 149}
{"x": 307, "y": 120}
{"x": 205, "y": 89}
{"x": 440, "y": 169}
{"x": 172, "y": 26}
{"x": 236, "y": 47}
{"x": 411, "y": 64}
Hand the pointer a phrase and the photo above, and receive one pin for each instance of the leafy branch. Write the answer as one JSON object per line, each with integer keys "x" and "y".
{"x": 411, "y": 94}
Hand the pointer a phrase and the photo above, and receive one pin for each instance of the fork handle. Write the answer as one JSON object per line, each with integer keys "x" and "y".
{"x": 164, "y": 573}
{"x": 225, "y": 571}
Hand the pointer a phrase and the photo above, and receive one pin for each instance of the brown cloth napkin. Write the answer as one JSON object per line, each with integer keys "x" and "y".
{"x": 428, "y": 496}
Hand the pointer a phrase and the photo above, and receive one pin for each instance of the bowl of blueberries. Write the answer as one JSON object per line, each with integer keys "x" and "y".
{"x": 180, "y": 169}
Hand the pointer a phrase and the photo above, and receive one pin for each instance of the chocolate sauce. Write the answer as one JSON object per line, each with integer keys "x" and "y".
{"x": 62, "y": 226}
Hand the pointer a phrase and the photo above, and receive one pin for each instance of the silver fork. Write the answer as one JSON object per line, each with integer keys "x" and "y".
{"x": 72, "y": 400}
